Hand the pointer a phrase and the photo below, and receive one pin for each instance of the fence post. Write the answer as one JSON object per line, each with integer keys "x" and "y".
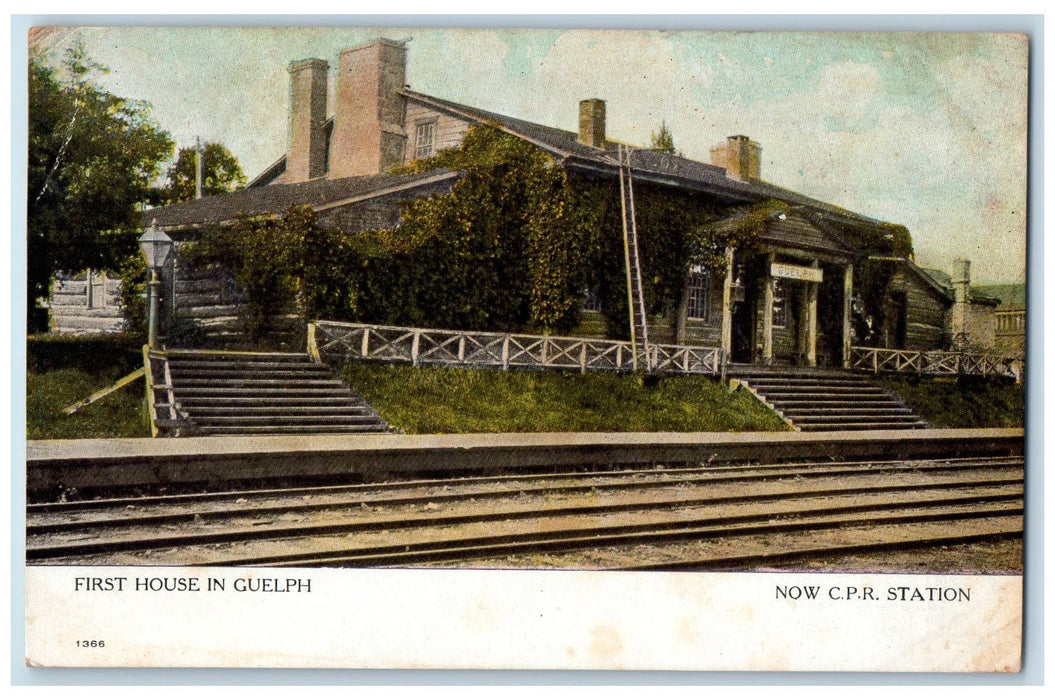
{"x": 875, "y": 361}
{"x": 582, "y": 359}
{"x": 366, "y": 343}
{"x": 414, "y": 345}
{"x": 505, "y": 352}
{"x": 461, "y": 347}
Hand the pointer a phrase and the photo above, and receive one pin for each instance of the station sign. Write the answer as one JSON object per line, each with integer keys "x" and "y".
{"x": 796, "y": 272}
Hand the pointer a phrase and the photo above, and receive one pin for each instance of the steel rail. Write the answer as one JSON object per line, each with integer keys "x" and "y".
{"x": 108, "y": 545}
{"x": 675, "y": 478}
{"x": 580, "y": 539}
{"x": 74, "y": 506}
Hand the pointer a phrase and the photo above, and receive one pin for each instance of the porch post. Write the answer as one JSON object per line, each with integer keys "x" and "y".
{"x": 767, "y": 313}
{"x": 811, "y": 314}
{"x": 727, "y": 305}
{"x": 848, "y": 290}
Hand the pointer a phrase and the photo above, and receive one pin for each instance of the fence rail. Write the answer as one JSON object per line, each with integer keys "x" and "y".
{"x": 334, "y": 340}
{"x": 933, "y": 362}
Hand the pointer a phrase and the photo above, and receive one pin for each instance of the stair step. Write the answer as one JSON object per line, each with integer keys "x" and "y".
{"x": 818, "y": 427}
{"x": 840, "y": 403}
{"x": 260, "y": 393}
{"x": 250, "y": 421}
{"x": 260, "y": 411}
{"x": 846, "y": 411}
{"x": 813, "y": 399}
{"x": 256, "y": 382}
{"x": 811, "y": 420}
{"x": 293, "y": 430}
{"x": 248, "y": 364}
{"x": 232, "y": 403}
{"x": 804, "y": 381}
{"x": 182, "y": 375}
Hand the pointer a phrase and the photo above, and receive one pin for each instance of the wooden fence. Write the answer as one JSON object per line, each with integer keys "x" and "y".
{"x": 933, "y": 362}
{"x": 337, "y": 341}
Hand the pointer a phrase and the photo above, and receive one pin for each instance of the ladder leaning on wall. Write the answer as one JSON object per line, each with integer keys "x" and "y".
{"x": 635, "y": 292}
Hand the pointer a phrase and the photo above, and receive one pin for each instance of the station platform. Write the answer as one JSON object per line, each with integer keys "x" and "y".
{"x": 123, "y": 463}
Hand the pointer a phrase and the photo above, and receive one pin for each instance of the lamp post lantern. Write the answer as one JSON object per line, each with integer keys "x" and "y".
{"x": 156, "y": 247}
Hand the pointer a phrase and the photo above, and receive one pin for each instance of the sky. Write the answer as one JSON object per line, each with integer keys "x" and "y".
{"x": 927, "y": 130}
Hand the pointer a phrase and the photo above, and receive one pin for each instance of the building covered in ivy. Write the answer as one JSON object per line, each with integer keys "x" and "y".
{"x": 425, "y": 212}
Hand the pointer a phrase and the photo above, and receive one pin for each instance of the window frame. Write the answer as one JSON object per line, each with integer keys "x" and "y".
{"x": 424, "y": 150}
{"x": 699, "y": 294}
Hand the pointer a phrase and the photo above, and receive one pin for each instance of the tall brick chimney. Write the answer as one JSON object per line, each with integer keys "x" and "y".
{"x": 591, "y": 123}
{"x": 368, "y": 132}
{"x": 307, "y": 120}
{"x": 740, "y": 156}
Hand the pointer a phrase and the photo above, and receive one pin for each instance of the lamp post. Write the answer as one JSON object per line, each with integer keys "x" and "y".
{"x": 156, "y": 248}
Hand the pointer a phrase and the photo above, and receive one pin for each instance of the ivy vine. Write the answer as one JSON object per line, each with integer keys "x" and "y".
{"x": 512, "y": 246}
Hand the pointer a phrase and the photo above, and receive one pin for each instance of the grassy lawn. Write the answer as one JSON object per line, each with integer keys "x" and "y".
{"x": 62, "y": 371}
{"x": 444, "y": 400}
{"x": 948, "y": 403}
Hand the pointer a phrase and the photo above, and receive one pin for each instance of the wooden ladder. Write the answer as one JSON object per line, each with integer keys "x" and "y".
{"x": 635, "y": 291}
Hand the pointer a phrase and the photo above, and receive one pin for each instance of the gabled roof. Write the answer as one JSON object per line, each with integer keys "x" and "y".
{"x": 801, "y": 231}
{"x": 936, "y": 280}
{"x": 647, "y": 165}
{"x": 262, "y": 198}
{"x": 320, "y": 194}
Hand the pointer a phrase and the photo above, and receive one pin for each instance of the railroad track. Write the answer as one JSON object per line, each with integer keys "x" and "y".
{"x": 686, "y": 517}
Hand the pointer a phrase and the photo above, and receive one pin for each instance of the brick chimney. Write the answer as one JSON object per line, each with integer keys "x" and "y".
{"x": 740, "y": 156}
{"x": 307, "y": 120}
{"x": 591, "y": 123}
{"x": 368, "y": 133}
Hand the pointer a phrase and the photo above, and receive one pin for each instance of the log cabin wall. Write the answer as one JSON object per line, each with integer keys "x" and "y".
{"x": 925, "y": 313}
{"x": 86, "y": 303}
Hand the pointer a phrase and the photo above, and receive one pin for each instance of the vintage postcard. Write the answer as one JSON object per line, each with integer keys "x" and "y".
{"x": 526, "y": 349}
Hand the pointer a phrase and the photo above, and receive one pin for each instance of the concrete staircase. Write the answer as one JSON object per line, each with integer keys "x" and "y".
{"x": 825, "y": 399}
{"x": 264, "y": 393}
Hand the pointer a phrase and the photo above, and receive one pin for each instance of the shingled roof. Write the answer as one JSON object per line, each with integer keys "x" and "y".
{"x": 277, "y": 199}
{"x": 647, "y": 165}
{"x": 1012, "y": 297}
{"x": 667, "y": 169}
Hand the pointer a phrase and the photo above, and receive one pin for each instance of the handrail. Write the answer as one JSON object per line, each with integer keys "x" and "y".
{"x": 149, "y": 375}
{"x": 424, "y": 346}
{"x": 933, "y": 362}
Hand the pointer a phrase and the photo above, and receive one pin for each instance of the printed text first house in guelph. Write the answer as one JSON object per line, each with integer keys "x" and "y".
{"x": 791, "y": 299}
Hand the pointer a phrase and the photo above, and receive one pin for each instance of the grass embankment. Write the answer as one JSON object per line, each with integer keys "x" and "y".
{"x": 61, "y": 371}
{"x": 445, "y": 400}
{"x": 964, "y": 403}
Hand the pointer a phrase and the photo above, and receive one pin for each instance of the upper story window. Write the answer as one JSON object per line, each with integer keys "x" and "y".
{"x": 425, "y": 140}
{"x": 699, "y": 292}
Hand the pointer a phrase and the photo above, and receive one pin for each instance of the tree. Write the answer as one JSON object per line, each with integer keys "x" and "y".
{"x": 221, "y": 174}
{"x": 92, "y": 160}
{"x": 663, "y": 142}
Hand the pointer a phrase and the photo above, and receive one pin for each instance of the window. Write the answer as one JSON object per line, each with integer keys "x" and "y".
{"x": 425, "y": 140}
{"x": 699, "y": 292}
{"x": 780, "y": 305}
